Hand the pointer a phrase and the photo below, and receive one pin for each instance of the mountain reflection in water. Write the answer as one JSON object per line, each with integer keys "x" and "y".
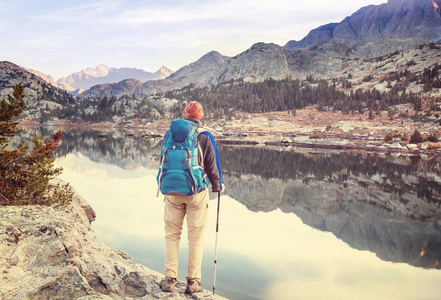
{"x": 386, "y": 205}
{"x": 390, "y": 206}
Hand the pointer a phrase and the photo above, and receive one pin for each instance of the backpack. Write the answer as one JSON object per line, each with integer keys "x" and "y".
{"x": 179, "y": 170}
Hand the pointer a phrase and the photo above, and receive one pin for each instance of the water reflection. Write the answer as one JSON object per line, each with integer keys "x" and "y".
{"x": 381, "y": 204}
{"x": 388, "y": 207}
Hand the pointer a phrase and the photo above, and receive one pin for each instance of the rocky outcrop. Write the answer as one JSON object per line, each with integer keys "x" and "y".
{"x": 40, "y": 94}
{"x": 198, "y": 72}
{"x": 52, "y": 253}
{"x": 262, "y": 61}
{"x": 125, "y": 87}
{"x": 48, "y": 78}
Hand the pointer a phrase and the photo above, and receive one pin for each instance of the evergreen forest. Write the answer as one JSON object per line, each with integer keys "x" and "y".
{"x": 289, "y": 95}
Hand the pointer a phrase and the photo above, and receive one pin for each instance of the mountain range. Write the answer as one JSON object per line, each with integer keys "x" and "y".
{"x": 377, "y": 40}
{"x": 372, "y": 31}
{"x": 413, "y": 20}
{"x": 89, "y": 77}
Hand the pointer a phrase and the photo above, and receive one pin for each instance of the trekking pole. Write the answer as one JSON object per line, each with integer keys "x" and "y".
{"x": 215, "y": 245}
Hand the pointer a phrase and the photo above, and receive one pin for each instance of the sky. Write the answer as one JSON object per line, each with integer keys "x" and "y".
{"x": 58, "y": 38}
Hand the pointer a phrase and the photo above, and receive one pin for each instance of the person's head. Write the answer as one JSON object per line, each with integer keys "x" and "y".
{"x": 193, "y": 110}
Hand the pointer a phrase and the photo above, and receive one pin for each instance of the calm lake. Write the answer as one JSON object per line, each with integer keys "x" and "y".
{"x": 294, "y": 223}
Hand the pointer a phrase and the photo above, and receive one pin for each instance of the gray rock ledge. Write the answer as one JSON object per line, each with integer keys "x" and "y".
{"x": 49, "y": 253}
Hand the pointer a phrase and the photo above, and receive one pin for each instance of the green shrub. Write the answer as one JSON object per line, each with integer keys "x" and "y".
{"x": 388, "y": 137}
{"x": 395, "y": 134}
{"x": 416, "y": 137}
{"x": 433, "y": 137}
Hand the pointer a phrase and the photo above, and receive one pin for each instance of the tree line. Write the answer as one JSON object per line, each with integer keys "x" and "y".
{"x": 224, "y": 99}
{"x": 289, "y": 95}
{"x": 104, "y": 109}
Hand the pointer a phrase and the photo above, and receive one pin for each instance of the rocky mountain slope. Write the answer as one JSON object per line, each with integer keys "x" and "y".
{"x": 197, "y": 73}
{"x": 125, "y": 87}
{"x": 103, "y": 74}
{"x": 47, "y": 78}
{"x": 371, "y": 32}
{"x": 39, "y": 93}
{"x": 408, "y": 22}
{"x": 348, "y": 64}
{"x": 47, "y": 104}
{"x": 329, "y": 60}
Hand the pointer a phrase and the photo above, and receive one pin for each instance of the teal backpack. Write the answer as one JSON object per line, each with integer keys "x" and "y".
{"x": 179, "y": 170}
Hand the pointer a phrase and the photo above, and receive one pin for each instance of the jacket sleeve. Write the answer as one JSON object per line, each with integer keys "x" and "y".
{"x": 211, "y": 161}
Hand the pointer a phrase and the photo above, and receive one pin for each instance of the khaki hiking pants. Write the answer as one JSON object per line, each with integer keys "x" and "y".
{"x": 175, "y": 209}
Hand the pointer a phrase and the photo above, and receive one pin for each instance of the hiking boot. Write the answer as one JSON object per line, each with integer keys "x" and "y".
{"x": 167, "y": 284}
{"x": 193, "y": 286}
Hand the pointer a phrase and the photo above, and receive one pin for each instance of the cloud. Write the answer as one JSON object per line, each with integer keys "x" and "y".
{"x": 172, "y": 32}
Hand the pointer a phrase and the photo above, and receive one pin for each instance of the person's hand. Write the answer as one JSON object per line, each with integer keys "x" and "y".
{"x": 222, "y": 190}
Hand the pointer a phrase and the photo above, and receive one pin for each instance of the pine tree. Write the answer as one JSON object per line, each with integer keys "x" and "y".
{"x": 416, "y": 137}
{"x": 24, "y": 177}
{"x": 9, "y": 109}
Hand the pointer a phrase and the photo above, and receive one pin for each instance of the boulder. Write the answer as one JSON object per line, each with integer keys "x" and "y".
{"x": 345, "y": 126}
{"x": 433, "y": 146}
{"x": 277, "y": 139}
{"x": 273, "y": 123}
{"x": 396, "y": 146}
{"x": 425, "y": 145}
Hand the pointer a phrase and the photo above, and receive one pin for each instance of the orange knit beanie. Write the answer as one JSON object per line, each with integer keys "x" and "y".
{"x": 193, "y": 110}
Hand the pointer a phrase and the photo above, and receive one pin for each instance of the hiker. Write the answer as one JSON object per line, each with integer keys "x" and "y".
{"x": 179, "y": 202}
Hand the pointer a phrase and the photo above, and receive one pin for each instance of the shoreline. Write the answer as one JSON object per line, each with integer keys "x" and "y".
{"x": 285, "y": 142}
{"x": 307, "y": 128}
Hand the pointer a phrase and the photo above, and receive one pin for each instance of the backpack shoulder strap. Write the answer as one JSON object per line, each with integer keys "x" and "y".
{"x": 199, "y": 130}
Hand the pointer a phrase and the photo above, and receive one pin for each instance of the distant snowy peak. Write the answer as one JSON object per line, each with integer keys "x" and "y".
{"x": 103, "y": 74}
